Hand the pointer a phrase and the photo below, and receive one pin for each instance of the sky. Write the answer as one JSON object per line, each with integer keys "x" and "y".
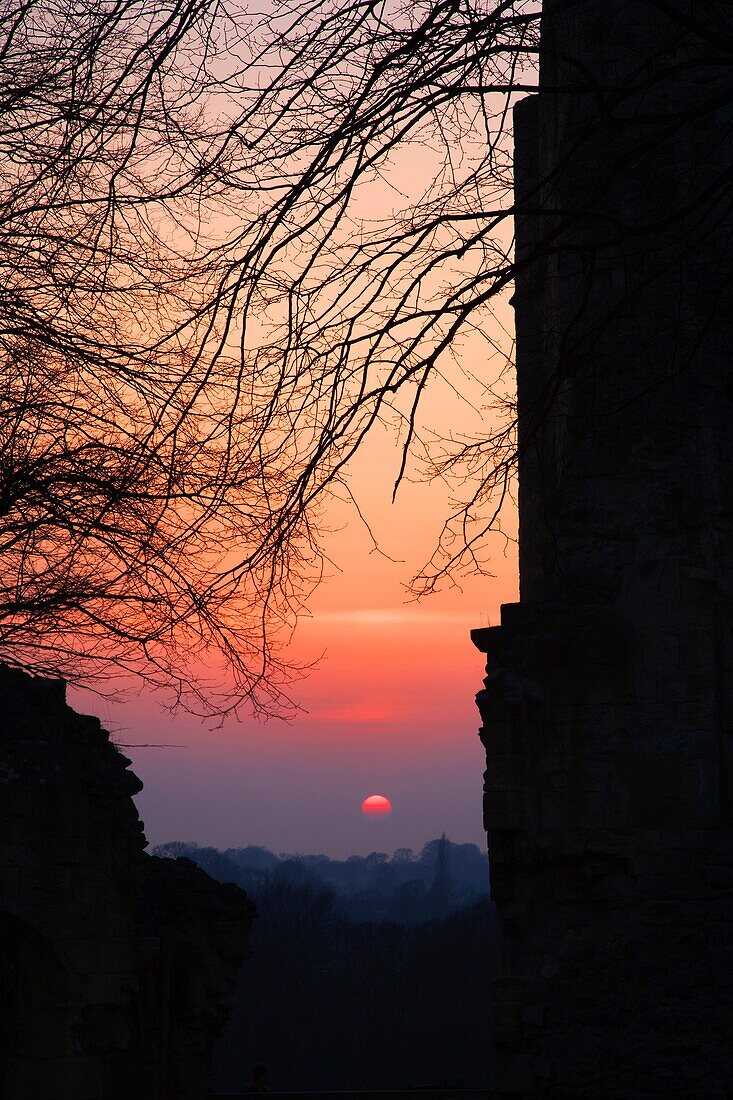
{"x": 389, "y": 708}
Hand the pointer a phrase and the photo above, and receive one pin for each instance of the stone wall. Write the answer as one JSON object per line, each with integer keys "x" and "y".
{"x": 607, "y": 705}
{"x": 116, "y": 967}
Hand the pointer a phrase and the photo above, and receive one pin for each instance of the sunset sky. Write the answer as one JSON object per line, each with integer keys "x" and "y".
{"x": 389, "y": 709}
{"x": 389, "y": 706}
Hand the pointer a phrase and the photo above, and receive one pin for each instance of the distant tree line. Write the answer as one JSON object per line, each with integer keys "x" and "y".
{"x": 368, "y": 972}
{"x": 407, "y": 888}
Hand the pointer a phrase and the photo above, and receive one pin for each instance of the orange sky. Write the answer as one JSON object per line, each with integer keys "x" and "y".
{"x": 389, "y": 708}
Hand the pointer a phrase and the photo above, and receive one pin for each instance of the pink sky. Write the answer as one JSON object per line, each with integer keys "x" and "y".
{"x": 389, "y": 708}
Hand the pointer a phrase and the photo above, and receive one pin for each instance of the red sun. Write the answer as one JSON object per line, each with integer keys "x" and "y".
{"x": 376, "y": 805}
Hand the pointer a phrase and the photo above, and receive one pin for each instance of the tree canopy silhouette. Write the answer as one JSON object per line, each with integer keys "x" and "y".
{"x": 138, "y": 502}
{"x": 233, "y": 243}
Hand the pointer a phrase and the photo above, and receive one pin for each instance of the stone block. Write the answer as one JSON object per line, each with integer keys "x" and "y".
{"x": 103, "y": 988}
{"x": 102, "y": 955}
{"x": 103, "y": 1029}
{"x": 508, "y": 808}
{"x": 79, "y": 916}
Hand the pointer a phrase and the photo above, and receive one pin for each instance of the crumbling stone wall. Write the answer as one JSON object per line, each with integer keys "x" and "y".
{"x": 607, "y": 704}
{"x": 116, "y": 967}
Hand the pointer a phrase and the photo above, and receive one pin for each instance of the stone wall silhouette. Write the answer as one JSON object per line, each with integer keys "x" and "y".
{"x": 607, "y": 704}
{"x": 116, "y": 967}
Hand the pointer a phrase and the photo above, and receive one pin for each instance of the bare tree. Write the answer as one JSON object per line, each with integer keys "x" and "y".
{"x": 214, "y": 287}
{"x": 135, "y": 490}
{"x": 375, "y": 98}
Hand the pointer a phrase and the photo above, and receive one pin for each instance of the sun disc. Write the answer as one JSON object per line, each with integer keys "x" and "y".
{"x": 376, "y": 805}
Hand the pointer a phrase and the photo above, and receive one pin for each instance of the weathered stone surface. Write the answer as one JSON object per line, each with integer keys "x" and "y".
{"x": 607, "y": 708}
{"x": 115, "y": 967}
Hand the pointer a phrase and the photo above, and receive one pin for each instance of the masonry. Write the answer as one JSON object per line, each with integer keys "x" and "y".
{"x": 607, "y": 703}
{"x": 116, "y": 968}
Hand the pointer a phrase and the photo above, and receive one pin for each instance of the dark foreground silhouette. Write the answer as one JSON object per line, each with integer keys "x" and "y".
{"x": 332, "y": 1003}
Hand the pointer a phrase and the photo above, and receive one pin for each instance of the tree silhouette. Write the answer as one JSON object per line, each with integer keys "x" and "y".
{"x": 441, "y": 887}
{"x": 234, "y": 244}
{"x": 132, "y": 458}
{"x": 371, "y": 298}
